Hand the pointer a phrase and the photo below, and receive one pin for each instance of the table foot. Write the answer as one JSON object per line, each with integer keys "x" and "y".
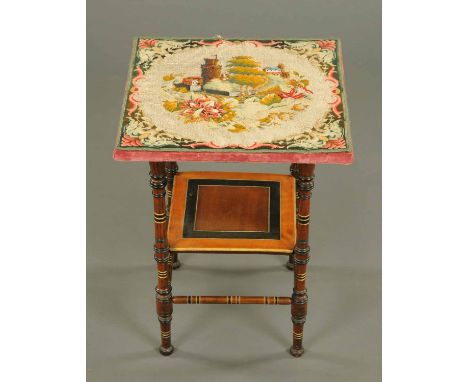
{"x": 296, "y": 352}
{"x": 166, "y": 351}
{"x": 176, "y": 265}
{"x": 290, "y": 265}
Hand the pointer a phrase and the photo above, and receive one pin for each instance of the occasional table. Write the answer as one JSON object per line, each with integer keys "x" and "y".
{"x": 231, "y": 100}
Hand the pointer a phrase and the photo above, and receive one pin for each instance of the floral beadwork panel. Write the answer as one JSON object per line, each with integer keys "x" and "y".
{"x": 237, "y": 95}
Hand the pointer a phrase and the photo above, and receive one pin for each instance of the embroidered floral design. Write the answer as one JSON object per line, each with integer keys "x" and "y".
{"x": 134, "y": 90}
{"x": 243, "y": 92}
{"x": 335, "y": 144}
{"x": 327, "y": 44}
{"x": 201, "y": 109}
{"x": 146, "y": 43}
{"x": 128, "y": 140}
{"x": 242, "y": 101}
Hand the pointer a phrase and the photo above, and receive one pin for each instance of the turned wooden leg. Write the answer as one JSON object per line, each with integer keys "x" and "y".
{"x": 171, "y": 171}
{"x": 305, "y": 183}
{"x": 294, "y": 171}
{"x": 162, "y": 256}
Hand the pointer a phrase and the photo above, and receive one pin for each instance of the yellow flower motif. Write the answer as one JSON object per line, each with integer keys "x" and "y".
{"x": 265, "y": 120}
{"x": 180, "y": 90}
{"x": 238, "y": 128}
{"x": 168, "y": 77}
{"x": 228, "y": 116}
{"x": 297, "y": 107}
{"x": 170, "y": 105}
{"x": 284, "y": 116}
{"x": 270, "y": 99}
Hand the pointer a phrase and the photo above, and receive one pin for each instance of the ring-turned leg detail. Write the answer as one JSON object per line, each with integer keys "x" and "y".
{"x": 305, "y": 184}
{"x": 171, "y": 171}
{"x": 294, "y": 172}
{"x": 162, "y": 256}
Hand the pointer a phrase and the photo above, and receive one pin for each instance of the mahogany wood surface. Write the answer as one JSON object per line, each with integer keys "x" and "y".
{"x": 232, "y": 208}
{"x": 251, "y": 217}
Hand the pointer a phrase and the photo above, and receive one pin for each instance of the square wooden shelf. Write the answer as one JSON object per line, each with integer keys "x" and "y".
{"x": 232, "y": 212}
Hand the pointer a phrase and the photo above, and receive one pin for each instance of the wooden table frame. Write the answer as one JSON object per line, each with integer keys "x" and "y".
{"x": 161, "y": 181}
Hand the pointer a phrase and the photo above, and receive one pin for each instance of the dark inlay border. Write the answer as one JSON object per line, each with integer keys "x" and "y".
{"x": 191, "y": 206}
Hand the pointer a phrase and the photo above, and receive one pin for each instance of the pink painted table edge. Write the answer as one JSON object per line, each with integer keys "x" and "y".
{"x": 167, "y": 156}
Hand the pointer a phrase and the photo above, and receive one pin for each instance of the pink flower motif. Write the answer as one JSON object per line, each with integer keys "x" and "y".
{"x": 335, "y": 91}
{"x": 335, "y": 144}
{"x": 294, "y": 93}
{"x": 202, "y": 109}
{"x": 327, "y": 44}
{"x": 133, "y": 91}
{"x": 291, "y": 94}
{"x": 146, "y": 43}
{"x": 128, "y": 140}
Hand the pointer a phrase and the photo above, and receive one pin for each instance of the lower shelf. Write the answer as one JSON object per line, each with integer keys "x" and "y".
{"x": 232, "y": 212}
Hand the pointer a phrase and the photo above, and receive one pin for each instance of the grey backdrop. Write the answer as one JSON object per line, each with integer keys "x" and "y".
{"x": 234, "y": 343}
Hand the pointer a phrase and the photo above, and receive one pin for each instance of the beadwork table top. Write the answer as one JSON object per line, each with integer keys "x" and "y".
{"x": 235, "y": 101}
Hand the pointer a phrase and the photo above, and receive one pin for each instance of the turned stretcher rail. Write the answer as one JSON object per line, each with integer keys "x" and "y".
{"x": 265, "y": 300}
